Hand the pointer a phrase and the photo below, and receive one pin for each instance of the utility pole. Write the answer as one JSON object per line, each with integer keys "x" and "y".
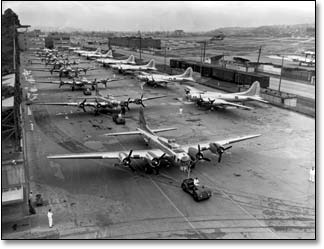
{"x": 205, "y": 44}
{"x": 201, "y": 60}
{"x": 259, "y": 55}
{"x": 140, "y": 41}
{"x": 282, "y": 61}
{"x": 165, "y": 48}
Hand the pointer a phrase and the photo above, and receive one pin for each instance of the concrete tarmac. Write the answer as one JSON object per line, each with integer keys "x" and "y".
{"x": 260, "y": 189}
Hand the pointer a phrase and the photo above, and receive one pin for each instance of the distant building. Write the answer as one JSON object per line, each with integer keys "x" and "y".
{"x": 55, "y": 40}
{"x": 135, "y": 42}
{"x": 179, "y": 32}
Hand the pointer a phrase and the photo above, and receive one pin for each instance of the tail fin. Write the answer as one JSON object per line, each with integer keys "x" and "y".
{"x": 151, "y": 63}
{"x": 187, "y": 73}
{"x": 109, "y": 53}
{"x": 131, "y": 59}
{"x": 253, "y": 90}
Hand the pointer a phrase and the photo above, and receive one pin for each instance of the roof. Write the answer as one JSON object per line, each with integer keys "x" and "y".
{"x": 240, "y": 59}
{"x": 7, "y": 103}
{"x": 12, "y": 195}
{"x": 8, "y": 80}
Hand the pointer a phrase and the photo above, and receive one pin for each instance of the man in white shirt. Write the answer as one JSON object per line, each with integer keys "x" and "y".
{"x": 50, "y": 218}
{"x": 196, "y": 182}
{"x": 312, "y": 174}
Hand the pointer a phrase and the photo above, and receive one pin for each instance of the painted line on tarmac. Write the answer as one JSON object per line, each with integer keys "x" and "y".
{"x": 175, "y": 207}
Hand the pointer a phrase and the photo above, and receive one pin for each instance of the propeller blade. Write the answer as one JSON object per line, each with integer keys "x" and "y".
{"x": 220, "y": 157}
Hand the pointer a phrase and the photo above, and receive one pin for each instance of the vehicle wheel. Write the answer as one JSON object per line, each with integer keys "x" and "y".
{"x": 195, "y": 196}
{"x": 183, "y": 186}
{"x": 148, "y": 170}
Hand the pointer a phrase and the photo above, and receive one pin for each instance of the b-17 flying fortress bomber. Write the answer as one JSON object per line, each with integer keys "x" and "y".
{"x": 172, "y": 128}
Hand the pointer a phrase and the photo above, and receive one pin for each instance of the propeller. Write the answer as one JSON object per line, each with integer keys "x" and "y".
{"x": 94, "y": 83}
{"x": 61, "y": 83}
{"x": 127, "y": 160}
{"x": 211, "y": 101}
{"x": 126, "y": 104}
{"x": 73, "y": 84}
{"x": 200, "y": 101}
{"x": 98, "y": 105}
{"x": 82, "y": 105}
{"x": 216, "y": 148}
{"x": 200, "y": 155}
{"x": 221, "y": 151}
{"x": 139, "y": 101}
{"x": 157, "y": 161}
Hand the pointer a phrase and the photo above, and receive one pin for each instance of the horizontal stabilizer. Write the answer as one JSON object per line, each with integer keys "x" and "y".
{"x": 123, "y": 133}
{"x": 164, "y": 129}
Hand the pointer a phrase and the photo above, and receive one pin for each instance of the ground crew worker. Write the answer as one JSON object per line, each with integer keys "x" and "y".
{"x": 30, "y": 198}
{"x": 180, "y": 111}
{"x": 196, "y": 182}
{"x": 312, "y": 174}
{"x": 50, "y": 218}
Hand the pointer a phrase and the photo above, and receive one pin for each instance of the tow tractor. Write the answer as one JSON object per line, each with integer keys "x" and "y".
{"x": 119, "y": 119}
{"x": 199, "y": 193}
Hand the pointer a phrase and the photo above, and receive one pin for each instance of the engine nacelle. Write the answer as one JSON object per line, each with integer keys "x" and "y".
{"x": 215, "y": 148}
{"x": 153, "y": 159}
{"x": 123, "y": 158}
{"x": 195, "y": 153}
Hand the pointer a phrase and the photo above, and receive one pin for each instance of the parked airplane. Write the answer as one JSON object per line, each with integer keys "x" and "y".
{"x": 100, "y": 103}
{"x": 161, "y": 79}
{"x": 215, "y": 99}
{"x": 81, "y": 82}
{"x": 109, "y": 61}
{"x": 122, "y": 68}
{"x": 80, "y": 52}
{"x": 162, "y": 149}
{"x": 95, "y": 56}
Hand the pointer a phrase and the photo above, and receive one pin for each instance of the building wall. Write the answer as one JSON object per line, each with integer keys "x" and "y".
{"x": 135, "y": 42}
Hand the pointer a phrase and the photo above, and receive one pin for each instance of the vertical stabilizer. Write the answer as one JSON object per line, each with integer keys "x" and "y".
{"x": 131, "y": 59}
{"x": 253, "y": 90}
{"x": 109, "y": 53}
{"x": 151, "y": 64}
{"x": 187, "y": 73}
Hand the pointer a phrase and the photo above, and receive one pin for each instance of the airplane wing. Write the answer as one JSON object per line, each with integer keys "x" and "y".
{"x": 60, "y": 103}
{"x": 193, "y": 90}
{"x": 137, "y": 154}
{"x": 220, "y": 102}
{"x": 216, "y": 102}
{"x": 155, "y": 97}
{"x": 138, "y": 132}
{"x": 206, "y": 145}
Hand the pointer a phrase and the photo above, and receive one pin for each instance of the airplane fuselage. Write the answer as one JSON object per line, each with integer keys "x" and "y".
{"x": 173, "y": 151}
{"x": 227, "y": 97}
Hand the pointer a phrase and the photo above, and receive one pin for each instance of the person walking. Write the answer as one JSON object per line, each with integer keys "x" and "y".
{"x": 312, "y": 174}
{"x": 30, "y": 198}
{"x": 50, "y": 218}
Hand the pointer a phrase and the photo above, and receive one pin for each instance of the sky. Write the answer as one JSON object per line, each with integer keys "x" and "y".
{"x": 160, "y": 16}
